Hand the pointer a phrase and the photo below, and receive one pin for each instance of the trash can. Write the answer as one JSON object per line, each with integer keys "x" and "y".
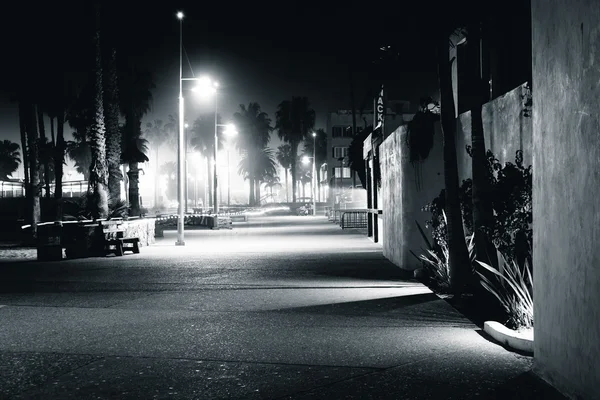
{"x": 49, "y": 244}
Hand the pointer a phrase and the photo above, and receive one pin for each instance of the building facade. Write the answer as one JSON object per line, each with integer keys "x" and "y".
{"x": 337, "y": 179}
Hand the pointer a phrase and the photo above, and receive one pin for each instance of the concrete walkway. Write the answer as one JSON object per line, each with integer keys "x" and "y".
{"x": 279, "y": 307}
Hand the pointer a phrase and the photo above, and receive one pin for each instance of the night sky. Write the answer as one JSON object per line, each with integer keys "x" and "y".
{"x": 258, "y": 51}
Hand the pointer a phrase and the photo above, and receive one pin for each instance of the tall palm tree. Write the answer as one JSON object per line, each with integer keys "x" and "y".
{"x": 458, "y": 260}
{"x": 203, "y": 141}
{"x": 34, "y": 188}
{"x": 157, "y": 134}
{"x": 254, "y": 127}
{"x": 294, "y": 120}
{"x": 320, "y": 154}
{"x": 98, "y": 181}
{"x": 135, "y": 85}
{"x": 113, "y": 133}
{"x": 284, "y": 158}
{"x": 270, "y": 182}
{"x": 256, "y": 166}
{"x": 10, "y": 158}
{"x": 483, "y": 214}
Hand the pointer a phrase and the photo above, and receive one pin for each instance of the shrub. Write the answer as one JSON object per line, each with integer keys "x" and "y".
{"x": 435, "y": 259}
{"x": 513, "y": 287}
{"x": 511, "y": 190}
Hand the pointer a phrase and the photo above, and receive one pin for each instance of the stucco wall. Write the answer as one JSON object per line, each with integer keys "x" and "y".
{"x": 506, "y": 129}
{"x": 566, "y": 189}
{"x": 402, "y": 201}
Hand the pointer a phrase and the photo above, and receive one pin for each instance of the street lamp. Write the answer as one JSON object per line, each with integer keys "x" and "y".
{"x": 207, "y": 87}
{"x": 180, "y": 141}
{"x": 306, "y": 160}
{"x": 314, "y": 135}
{"x": 186, "y": 136}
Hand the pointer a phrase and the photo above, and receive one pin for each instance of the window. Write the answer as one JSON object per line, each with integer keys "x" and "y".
{"x": 348, "y": 132}
{"x": 337, "y": 131}
{"x": 340, "y": 152}
{"x": 345, "y": 173}
{"x": 359, "y": 129}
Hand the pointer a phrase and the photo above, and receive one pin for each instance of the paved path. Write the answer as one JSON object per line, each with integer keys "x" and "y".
{"x": 280, "y": 307}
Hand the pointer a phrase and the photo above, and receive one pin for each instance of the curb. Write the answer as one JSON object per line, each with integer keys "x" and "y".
{"x": 512, "y": 339}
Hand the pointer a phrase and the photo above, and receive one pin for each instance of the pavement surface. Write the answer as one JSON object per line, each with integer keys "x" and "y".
{"x": 276, "y": 308}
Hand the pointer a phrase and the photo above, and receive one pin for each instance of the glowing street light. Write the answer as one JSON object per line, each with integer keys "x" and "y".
{"x": 305, "y": 161}
{"x": 180, "y": 142}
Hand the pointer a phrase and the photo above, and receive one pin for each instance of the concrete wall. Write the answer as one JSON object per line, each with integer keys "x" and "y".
{"x": 506, "y": 129}
{"x": 401, "y": 200}
{"x": 566, "y": 189}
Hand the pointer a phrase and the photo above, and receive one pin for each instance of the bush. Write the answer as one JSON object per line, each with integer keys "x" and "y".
{"x": 511, "y": 189}
{"x": 513, "y": 287}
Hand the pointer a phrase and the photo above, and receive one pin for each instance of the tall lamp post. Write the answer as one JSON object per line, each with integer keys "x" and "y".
{"x": 314, "y": 173}
{"x": 187, "y": 178}
{"x": 180, "y": 142}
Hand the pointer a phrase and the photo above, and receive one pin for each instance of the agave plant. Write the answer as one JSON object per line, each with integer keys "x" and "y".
{"x": 513, "y": 287}
{"x": 436, "y": 259}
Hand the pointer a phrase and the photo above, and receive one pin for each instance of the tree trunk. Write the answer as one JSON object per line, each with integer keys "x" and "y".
{"x": 34, "y": 173}
{"x": 113, "y": 134}
{"x": 459, "y": 264}
{"x": 52, "y": 131}
{"x": 251, "y": 201}
{"x": 156, "y": 180}
{"x": 45, "y": 144}
{"x": 287, "y": 187}
{"x": 98, "y": 182}
{"x": 24, "y": 148}
{"x": 293, "y": 169}
{"x": 257, "y": 188}
{"x": 134, "y": 189}
{"x": 125, "y": 182}
{"x": 59, "y": 159}
{"x": 483, "y": 214}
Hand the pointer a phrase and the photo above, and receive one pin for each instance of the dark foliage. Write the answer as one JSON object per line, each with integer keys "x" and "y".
{"x": 511, "y": 191}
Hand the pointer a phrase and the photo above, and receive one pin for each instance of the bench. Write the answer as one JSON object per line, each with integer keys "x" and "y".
{"x": 133, "y": 245}
{"x": 116, "y": 243}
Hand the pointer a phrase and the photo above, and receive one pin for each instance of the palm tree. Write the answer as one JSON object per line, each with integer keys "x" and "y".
{"x": 483, "y": 214}
{"x": 320, "y": 154}
{"x": 270, "y": 182}
{"x": 135, "y": 86}
{"x": 113, "y": 133}
{"x": 30, "y": 115}
{"x": 10, "y": 158}
{"x": 203, "y": 141}
{"x": 254, "y": 127}
{"x": 458, "y": 260}
{"x": 294, "y": 120}
{"x": 98, "y": 181}
{"x": 157, "y": 135}
{"x": 256, "y": 166}
{"x": 284, "y": 158}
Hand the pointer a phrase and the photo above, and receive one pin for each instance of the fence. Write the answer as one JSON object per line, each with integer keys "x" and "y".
{"x": 354, "y": 219}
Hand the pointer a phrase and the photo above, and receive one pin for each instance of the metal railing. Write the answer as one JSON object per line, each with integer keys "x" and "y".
{"x": 354, "y": 219}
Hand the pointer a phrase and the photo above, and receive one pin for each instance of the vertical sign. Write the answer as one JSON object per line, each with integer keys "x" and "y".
{"x": 379, "y": 111}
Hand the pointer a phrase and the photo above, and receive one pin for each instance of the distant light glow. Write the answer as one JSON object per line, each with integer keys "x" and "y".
{"x": 205, "y": 86}
{"x": 179, "y": 15}
{"x": 314, "y": 134}
{"x": 230, "y": 130}
{"x": 305, "y": 160}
